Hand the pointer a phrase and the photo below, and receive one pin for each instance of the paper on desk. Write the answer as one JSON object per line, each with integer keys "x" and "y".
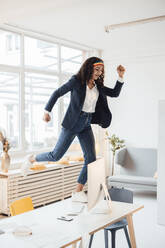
{"x": 12, "y": 227}
{"x": 75, "y": 208}
{"x": 7, "y": 227}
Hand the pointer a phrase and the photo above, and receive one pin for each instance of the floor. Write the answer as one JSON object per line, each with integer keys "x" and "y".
{"x": 148, "y": 233}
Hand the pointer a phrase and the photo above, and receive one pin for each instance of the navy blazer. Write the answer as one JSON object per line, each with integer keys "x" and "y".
{"x": 102, "y": 115}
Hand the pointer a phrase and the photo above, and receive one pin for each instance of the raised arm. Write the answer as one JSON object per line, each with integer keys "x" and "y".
{"x": 113, "y": 92}
{"x": 116, "y": 90}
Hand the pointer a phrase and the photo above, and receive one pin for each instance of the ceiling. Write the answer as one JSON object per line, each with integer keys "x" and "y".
{"x": 81, "y": 21}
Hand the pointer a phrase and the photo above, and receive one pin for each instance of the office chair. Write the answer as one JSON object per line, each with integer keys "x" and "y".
{"x": 121, "y": 195}
{"x": 20, "y": 206}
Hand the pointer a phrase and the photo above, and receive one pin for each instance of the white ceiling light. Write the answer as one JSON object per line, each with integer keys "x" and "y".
{"x": 132, "y": 23}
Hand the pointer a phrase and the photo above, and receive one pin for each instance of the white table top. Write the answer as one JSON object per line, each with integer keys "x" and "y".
{"x": 48, "y": 232}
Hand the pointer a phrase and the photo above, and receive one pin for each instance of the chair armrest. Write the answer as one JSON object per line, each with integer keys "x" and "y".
{"x": 120, "y": 156}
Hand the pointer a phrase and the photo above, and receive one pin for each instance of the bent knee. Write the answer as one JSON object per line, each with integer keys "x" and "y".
{"x": 54, "y": 156}
{"x": 90, "y": 159}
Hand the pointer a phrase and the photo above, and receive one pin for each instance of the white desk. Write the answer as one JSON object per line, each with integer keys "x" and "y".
{"x": 48, "y": 232}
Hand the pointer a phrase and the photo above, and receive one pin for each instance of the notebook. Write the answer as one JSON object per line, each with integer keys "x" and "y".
{"x": 76, "y": 208}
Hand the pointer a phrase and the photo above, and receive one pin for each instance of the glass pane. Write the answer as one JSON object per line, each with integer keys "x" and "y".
{"x": 38, "y": 89}
{"x": 9, "y": 48}
{"x": 71, "y": 59}
{"x": 41, "y": 54}
{"x": 9, "y": 106}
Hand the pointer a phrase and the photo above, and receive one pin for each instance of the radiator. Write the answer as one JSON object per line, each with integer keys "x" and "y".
{"x": 54, "y": 183}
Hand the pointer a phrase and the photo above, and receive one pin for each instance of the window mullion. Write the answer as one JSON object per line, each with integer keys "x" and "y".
{"x": 61, "y": 104}
{"x": 22, "y": 98}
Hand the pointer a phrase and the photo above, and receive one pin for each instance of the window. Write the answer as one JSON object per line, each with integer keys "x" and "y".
{"x": 71, "y": 59}
{"x": 41, "y": 54}
{"x": 9, "y": 106}
{"x": 9, "y": 42}
{"x": 9, "y": 48}
{"x": 26, "y": 86}
{"x": 38, "y": 89}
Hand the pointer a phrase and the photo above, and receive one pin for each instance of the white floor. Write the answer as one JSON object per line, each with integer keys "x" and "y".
{"x": 148, "y": 233}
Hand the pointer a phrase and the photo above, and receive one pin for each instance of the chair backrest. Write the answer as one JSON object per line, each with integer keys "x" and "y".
{"x": 121, "y": 195}
{"x": 20, "y": 206}
{"x": 137, "y": 161}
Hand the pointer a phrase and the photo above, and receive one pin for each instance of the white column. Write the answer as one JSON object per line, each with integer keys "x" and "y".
{"x": 161, "y": 164}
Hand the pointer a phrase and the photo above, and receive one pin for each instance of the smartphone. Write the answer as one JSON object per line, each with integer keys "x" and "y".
{"x": 65, "y": 218}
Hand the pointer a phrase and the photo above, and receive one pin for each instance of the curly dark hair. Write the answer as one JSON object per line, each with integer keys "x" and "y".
{"x": 86, "y": 71}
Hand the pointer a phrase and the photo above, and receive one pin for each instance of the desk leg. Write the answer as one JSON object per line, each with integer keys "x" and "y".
{"x": 74, "y": 245}
{"x": 131, "y": 231}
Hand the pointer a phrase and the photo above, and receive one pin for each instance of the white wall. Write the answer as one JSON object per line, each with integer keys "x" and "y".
{"x": 141, "y": 49}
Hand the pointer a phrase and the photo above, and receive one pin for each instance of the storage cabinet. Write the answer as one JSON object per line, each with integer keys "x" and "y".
{"x": 54, "y": 183}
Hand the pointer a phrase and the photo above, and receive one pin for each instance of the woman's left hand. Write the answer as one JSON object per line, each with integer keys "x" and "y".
{"x": 120, "y": 70}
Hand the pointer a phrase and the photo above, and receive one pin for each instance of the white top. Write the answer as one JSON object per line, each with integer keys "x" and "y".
{"x": 90, "y": 99}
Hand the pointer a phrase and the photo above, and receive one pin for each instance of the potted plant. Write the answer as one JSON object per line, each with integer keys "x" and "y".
{"x": 5, "y": 158}
{"x": 115, "y": 144}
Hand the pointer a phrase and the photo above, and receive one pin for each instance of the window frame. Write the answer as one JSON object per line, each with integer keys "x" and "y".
{"x": 22, "y": 69}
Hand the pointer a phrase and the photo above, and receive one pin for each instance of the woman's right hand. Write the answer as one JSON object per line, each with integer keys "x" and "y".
{"x": 46, "y": 117}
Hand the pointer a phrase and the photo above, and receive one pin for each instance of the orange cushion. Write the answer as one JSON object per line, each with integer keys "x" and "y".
{"x": 38, "y": 167}
{"x": 76, "y": 158}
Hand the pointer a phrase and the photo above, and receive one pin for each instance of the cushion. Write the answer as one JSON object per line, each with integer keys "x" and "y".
{"x": 76, "y": 158}
{"x": 133, "y": 179}
{"x": 38, "y": 167}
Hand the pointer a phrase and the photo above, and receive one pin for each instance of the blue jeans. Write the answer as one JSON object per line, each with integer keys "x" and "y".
{"x": 83, "y": 131}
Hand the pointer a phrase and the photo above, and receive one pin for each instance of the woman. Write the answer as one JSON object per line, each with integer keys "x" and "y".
{"x": 88, "y": 105}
